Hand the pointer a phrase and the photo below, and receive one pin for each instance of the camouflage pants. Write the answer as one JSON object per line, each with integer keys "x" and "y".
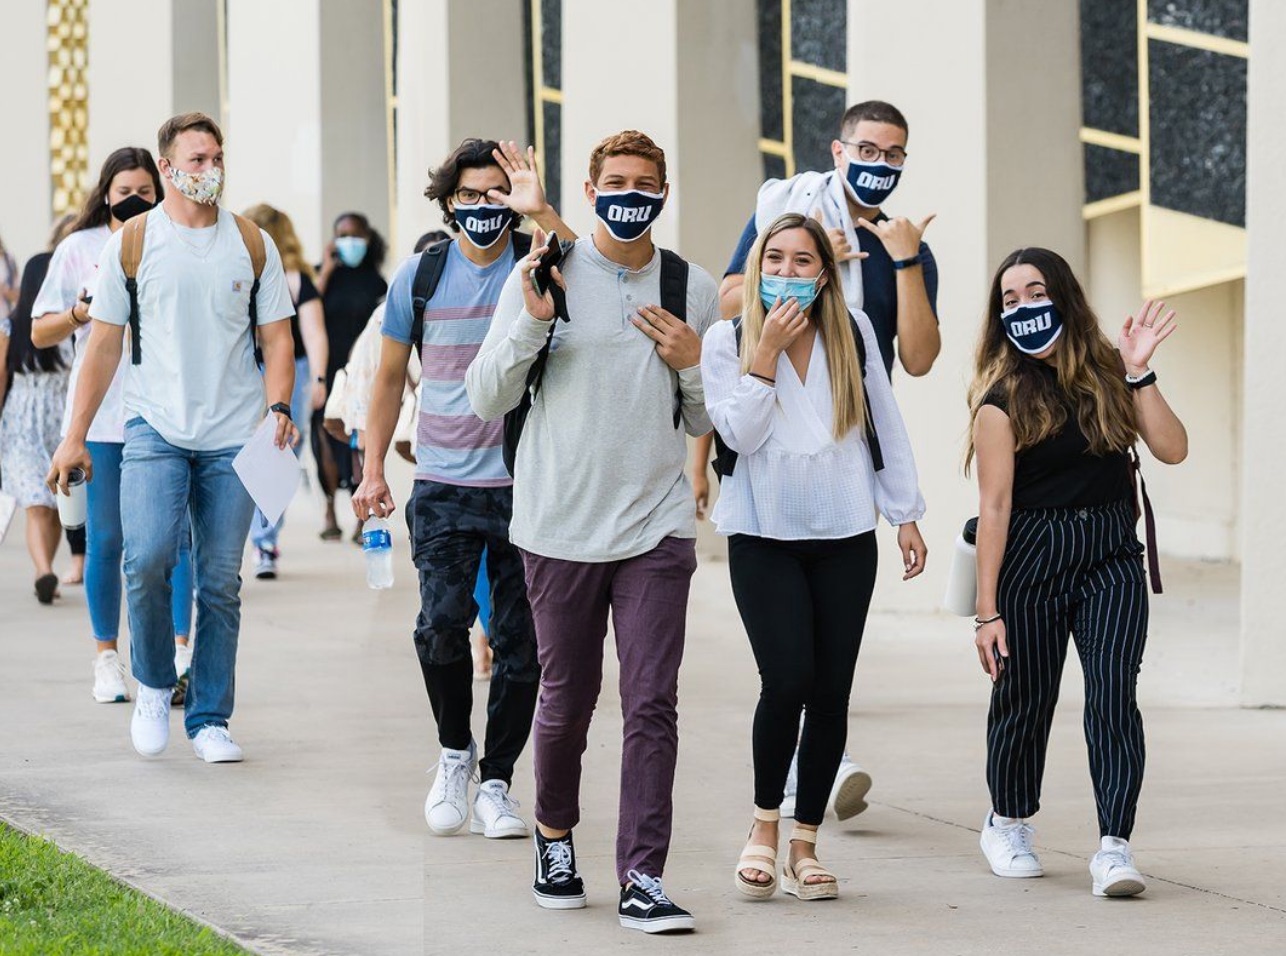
{"x": 450, "y": 526}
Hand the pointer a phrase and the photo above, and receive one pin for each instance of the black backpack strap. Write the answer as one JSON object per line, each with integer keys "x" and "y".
{"x": 725, "y": 459}
{"x": 427, "y": 275}
{"x": 872, "y": 439}
{"x": 674, "y": 299}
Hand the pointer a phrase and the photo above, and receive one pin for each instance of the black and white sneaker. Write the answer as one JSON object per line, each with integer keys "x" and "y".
{"x": 557, "y": 886}
{"x": 645, "y": 906}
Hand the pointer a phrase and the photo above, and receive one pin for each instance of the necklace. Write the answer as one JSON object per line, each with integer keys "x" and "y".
{"x": 192, "y": 247}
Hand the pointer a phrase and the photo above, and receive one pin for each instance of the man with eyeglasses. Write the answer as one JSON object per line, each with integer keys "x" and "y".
{"x": 889, "y": 273}
{"x": 463, "y": 495}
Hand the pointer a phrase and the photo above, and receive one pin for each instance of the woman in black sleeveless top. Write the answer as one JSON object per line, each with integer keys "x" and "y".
{"x": 1056, "y": 411}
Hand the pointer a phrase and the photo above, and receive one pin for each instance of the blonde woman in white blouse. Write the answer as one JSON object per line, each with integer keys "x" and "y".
{"x": 800, "y": 508}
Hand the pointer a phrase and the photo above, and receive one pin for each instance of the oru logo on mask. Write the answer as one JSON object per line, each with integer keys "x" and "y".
{"x": 483, "y": 223}
{"x": 1032, "y": 328}
{"x": 628, "y": 214}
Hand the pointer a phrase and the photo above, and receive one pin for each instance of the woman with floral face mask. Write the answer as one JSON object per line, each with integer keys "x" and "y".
{"x": 1056, "y": 412}
{"x": 351, "y": 286}
{"x": 820, "y": 451}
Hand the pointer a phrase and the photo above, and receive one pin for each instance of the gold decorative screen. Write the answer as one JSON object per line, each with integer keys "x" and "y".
{"x": 68, "y": 48}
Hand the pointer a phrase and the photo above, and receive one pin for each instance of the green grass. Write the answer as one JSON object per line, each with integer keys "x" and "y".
{"x": 54, "y": 903}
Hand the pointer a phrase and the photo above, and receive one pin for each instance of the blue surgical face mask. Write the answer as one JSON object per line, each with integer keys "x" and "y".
{"x": 484, "y": 223}
{"x": 1032, "y": 328}
{"x": 772, "y": 288}
{"x": 351, "y": 250}
{"x": 628, "y": 214}
{"x": 871, "y": 183}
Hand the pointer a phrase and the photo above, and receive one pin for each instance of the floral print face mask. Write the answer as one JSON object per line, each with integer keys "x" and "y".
{"x": 204, "y": 187}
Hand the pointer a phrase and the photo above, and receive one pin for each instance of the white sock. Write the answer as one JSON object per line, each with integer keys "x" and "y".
{"x": 1114, "y": 843}
{"x": 999, "y": 821}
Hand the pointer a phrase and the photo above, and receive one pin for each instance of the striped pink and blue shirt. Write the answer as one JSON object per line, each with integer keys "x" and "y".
{"x": 453, "y": 445}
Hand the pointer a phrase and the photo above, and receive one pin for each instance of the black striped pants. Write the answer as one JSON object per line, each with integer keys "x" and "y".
{"x": 1076, "y": 570}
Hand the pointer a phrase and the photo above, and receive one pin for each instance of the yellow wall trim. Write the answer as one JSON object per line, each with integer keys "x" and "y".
{"x": 1101, "y": 137}
{"x": 1201, "y": 41}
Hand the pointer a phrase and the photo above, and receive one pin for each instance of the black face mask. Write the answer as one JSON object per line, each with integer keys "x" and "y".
{"x": 129, "y": 207}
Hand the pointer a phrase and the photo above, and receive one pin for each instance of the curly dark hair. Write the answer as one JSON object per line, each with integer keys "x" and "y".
{"x": 443, "y": 181}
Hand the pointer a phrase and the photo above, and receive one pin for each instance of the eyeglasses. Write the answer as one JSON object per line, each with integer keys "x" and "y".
{"x": 868, "y": 152}
{"x": 471, "y": 197}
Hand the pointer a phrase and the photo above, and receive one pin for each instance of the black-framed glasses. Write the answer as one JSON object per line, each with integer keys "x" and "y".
{"x": 868, "y": 152}
{"x": 471, "y": 197}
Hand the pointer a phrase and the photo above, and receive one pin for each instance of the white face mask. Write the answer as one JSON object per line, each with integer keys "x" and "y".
{"x": 204, "y": 188}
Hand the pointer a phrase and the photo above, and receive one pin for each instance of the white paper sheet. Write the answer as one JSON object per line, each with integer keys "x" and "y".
{"x": 8, "y": 508}
{"x": 270, "y": 474}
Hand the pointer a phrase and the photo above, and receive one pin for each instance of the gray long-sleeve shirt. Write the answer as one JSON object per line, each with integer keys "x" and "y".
{"x": 599, "y": 474}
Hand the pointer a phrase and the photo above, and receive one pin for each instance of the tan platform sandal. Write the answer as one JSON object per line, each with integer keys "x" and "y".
{"x": 794, "y": 880}
{"x": 762, "y": 859}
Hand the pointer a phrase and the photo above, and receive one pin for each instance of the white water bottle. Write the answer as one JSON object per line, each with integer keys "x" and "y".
{"x": 377, "y": 546}
{"x": 962, "y": 579}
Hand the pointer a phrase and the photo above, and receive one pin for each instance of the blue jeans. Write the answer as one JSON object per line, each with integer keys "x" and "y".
{"x": 161, "y": 485}
{"x": 263, "y": 534}
{"x": 103, "y": 551}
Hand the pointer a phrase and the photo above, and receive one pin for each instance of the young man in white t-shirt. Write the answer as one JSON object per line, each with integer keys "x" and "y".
{"x": 193, "y": 397}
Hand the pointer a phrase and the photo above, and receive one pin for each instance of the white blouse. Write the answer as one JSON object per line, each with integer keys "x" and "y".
{"x": 793, "y": 481}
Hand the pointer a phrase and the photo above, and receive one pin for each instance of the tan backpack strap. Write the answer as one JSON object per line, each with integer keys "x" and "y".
{"x": 253, "y": 239}
{"x": 132, "y": 245}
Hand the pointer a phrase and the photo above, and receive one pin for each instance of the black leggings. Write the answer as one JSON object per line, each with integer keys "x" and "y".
{"x": 804, "y": 606}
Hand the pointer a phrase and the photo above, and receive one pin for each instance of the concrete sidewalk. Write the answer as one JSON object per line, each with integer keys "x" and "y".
{"x": 317, "y": 844}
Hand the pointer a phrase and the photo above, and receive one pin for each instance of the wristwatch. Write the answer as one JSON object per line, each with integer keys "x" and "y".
{"x": 281, "y": 408}
{"x": 907, "y": 263}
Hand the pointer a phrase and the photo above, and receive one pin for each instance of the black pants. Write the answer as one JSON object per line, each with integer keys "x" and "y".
{"x": 804, "y": 606}
{"x": 450, "y": 525}
{"x": 1076, "y": 571}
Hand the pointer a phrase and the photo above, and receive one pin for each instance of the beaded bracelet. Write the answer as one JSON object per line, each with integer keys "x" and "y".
{"x": 1143, "y": 381}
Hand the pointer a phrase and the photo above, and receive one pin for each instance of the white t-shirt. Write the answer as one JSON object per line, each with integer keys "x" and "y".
{"x": 197, "y": 383}
{"x": 75, "y": 267}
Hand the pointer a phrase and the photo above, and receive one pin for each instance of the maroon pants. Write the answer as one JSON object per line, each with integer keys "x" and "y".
{"x": 648, "y": 598}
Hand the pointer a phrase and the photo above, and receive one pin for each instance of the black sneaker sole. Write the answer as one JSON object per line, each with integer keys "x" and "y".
{"x": 549, "y": 902}
{"x": 663, "y": 924}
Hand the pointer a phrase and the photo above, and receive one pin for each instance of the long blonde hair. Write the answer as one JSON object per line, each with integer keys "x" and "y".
{"x": 829, "y": 313}
{"x": 1089, "y": 379}
{"x": 282, "y": 231}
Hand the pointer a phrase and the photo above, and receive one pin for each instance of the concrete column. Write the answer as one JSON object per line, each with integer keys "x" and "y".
{"x": 24, "y": 163}
{"x": 123, "y": 111}
{"x": 1263, "y": 651}
{"x": 274, "y": 127}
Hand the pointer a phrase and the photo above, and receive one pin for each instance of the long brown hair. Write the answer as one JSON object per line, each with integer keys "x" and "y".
{"x": 829, "y": 313}
{"x": 1089, "y": 380}
{"x": 282, "y": 232}
{"x": 96, "y": 211}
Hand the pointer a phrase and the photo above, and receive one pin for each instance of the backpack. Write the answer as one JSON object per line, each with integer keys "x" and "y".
{"x": 674, "y": 299}
{"x": 725, "y": 459}
{"x": 132, "y": 235}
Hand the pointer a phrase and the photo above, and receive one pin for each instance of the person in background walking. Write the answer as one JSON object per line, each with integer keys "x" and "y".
{"x": 1056, "y": 412}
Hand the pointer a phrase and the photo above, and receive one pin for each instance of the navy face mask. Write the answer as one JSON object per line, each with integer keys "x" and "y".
{"x": 871, "y": 183}
{"x": 628, "y": 214}
{"x": 484, "y": 223}
{"x": 1032, "y": 328}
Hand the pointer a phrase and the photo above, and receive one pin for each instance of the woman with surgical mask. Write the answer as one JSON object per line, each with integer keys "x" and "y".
{"x": 812, "y": 450}
{"x": 1056, "y": 413}
{"x": 129, "y": 185}
{"x": 351, "y": 286}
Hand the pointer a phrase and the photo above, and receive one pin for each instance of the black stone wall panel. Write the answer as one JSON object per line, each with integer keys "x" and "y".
{"x": 819, "y": 33}
{"x": 1110, "y": 66}
{"x": 770, "y": 97}
{"x": 1197, "y": 123}
{"x": 1222, "y": 18}
{"x": 774, "y": 166}
{"x": 551, "y": 43}
{"x": 818, "y": 108}
{"x": 553, "y": 171}
{"x": 1109, "y": 172}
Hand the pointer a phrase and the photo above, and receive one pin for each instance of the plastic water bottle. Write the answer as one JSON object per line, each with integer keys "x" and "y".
{"x": 377, "y": 545}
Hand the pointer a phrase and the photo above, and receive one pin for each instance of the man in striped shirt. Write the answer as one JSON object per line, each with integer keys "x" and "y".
{"x": 463, "y": 497}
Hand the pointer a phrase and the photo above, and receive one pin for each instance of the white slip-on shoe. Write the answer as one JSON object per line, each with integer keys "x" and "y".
{"x": 1113, "y": 870}
{"x": 109, "y": 679}
{"x": 214, "y": 744}
{"x": 1008, "y": 848}
{"x": 852, "y": 784}
{"x": 149, "y": 727}
{"x": 446, "y": 809}
{"x": 495, "y": 813}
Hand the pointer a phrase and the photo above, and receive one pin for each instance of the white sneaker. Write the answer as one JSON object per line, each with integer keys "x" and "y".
{"x": 109, "y": 678}
{"x": 182, "y": 667}
{"x": 1008, "y": 848}
{"x": 149, "y": 727}
{"x": 495, "y": 813}
{"x": 447, "y": 808}
{"x": 214, "y": 744}
{"x": 848, "y": 795}
{"x": 265, "y": 563}
{"x": 1113, "y": 870}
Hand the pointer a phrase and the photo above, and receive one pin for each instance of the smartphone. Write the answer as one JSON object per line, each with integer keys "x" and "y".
{"x": 542, "y": 275}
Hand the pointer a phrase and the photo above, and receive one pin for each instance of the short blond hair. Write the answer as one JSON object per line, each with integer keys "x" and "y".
{"x": 173, "y": 127}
